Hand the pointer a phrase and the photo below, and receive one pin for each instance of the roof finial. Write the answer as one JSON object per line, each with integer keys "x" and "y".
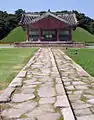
{"x": 49, "y": 10}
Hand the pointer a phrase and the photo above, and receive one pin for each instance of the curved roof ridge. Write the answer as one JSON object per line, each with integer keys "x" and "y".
{"x": 46, "y": 15}
{"x": 68, "y": 18}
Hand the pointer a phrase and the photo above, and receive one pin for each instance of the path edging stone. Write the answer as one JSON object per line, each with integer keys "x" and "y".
{"x": 81, "y": 72}
{"x": 65, "y": 106}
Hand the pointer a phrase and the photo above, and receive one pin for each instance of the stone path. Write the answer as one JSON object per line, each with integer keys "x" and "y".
{"x": 37, "y": 92}
{"x": 79, "y": 86}
{"x": 49, "y": 87}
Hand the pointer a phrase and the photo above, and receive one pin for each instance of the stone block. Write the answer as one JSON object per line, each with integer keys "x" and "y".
{"x": 22, "y": 97}
{"x": 67, "y": 114}
{"x": 60, "y": 89}
{"x": 50, "y": 100}
{"x": 6, "y": 95}
{"x": 21, "y": 74}
{"x": 46, "y": 91}
{"x": 62, "y": 101}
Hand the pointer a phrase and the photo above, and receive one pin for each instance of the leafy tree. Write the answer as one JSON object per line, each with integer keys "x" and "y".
{"x": 9, "y": 21}
{"x": 85, "y": 21}
{"x": 19, "y": 13}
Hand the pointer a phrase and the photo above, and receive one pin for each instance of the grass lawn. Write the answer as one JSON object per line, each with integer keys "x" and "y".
{"x": 85, "y": 58}
{"x": 12, "y": 61}
{"x": 16, "y": 35}
{"x": 81, "y": 35}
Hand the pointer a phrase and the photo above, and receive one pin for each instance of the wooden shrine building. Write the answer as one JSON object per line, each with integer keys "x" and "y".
{"x": 48, "y": 27}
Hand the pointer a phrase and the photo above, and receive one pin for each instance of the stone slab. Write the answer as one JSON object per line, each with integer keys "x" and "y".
{"x": 81, "y": 106}
{"x": 81, "y": 87}
{"x": 89, "y": 92}
{"x": 46, "y": 91}
{"x": 67, "y": 83}
{"x": 62, "y": 101}
{"x": 87, "y": 117}
{"x": 70, "y": 87}
{"x": 58, "y": 81}
{"x": 6, "y": 95}
{"x": 17, "y": 82}
{"x": 50, "y": 100}
{"x": 21, "y": 74}
{"x": 78, "y": 83}
{"x": 22, "y": 97}
{"x": 91, "y": 101}
{"x": 19, "y": 110}
{"x": 40, "y": 110}
{"x": 74, "y": 97}
{"x": 59, "y": 89}
{"x": 49, "y": 116}
{"x": 27, "y": 90}
{"x": 82, "y": 112}
{"x": 67, "y": 114}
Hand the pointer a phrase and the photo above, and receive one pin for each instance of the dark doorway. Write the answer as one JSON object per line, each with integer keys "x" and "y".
{"x": 48, "y": 35}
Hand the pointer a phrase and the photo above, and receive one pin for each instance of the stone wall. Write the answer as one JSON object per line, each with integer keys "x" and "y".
{"x": 75, "y": 45}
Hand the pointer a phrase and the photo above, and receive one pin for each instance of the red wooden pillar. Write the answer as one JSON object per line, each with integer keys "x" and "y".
{"x": 27, "y": 34}
{"x": 57, "y": 34}
{"x": 70, "y": 35}
{"x": 39, "y": 38}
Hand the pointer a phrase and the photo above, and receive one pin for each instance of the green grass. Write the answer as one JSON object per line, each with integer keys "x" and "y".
{"x": 16, "y": 35}
{"x": 12, "y": 61}
{"x": 81, "y": 35}
{"x": 85, "y": 58}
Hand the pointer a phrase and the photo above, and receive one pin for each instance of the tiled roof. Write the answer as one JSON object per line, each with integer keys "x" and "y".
{"x": 71, "y": 18}
{"x": 29, "y": 18}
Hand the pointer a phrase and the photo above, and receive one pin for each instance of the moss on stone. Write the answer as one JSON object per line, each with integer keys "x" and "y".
{"x": 83, "y": 98}
{"x": 23, "y": 116}
{"x": 37, "y": 98}
{"x": 61, "y": 118}
{"x": 4, "y": 106}
{"x": 57, "y": 110}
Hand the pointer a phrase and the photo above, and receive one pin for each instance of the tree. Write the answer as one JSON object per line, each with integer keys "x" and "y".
{"x": 7, "y": 23}
{"x": 19, "y": 13}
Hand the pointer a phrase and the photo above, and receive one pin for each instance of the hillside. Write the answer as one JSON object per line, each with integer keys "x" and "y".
{"x": 81, "y": 35}
{"x": 16, "y": 35}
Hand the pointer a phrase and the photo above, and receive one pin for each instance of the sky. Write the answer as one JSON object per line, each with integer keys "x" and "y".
{"x": 83, "y": 6}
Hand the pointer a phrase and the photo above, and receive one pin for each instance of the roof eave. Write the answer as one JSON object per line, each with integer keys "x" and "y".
{"x": 46, "y": 15}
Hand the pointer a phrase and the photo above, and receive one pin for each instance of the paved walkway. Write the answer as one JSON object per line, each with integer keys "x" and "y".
{"x": 39, "y": 91}
{"x": 79, "y": 86}
{"x": 6, "y": 46}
